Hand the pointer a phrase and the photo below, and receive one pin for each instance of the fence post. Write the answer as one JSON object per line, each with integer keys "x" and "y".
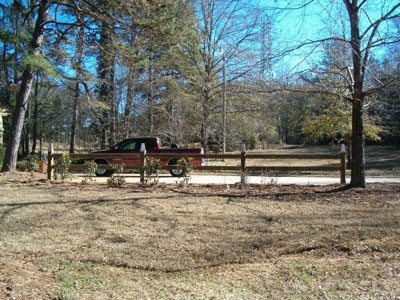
{"x": 142, "y": 161}
{"x": 50, "y": 161}
{"x": 243, "y": 164}
{"x": 342, "y": 164}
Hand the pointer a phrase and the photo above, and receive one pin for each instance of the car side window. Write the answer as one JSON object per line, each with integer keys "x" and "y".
{"x": 148, "y": 144}
{"x": 131, "y": 145}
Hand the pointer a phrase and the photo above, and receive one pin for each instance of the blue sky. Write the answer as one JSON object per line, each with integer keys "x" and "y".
{"x": 319, "y": 19}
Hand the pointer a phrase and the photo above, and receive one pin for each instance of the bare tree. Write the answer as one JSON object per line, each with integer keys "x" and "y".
{"x": 362, "y": 43}
{"x": 365, "y": 27}
{"x": 227, "y": 31}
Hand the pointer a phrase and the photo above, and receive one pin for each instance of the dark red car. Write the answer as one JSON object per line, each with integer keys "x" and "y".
{"x": 152, "y": 145}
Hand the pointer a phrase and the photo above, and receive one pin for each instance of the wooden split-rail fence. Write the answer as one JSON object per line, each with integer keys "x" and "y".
{"x": 243, "y": 169}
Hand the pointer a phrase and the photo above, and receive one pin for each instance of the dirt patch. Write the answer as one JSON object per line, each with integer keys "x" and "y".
{"x": 23, "y": 280}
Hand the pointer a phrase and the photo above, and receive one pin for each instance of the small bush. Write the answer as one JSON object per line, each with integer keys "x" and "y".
{"x": 31, "y": 163}
{"x": 151, "y": 168}
{"x": 115, "y": 180}
{"x": 90, "y": 171}
{"x": 185, "y": 166}
{"x": 20, "y": 166}
{"x": 62, "y": 167}
{"x": 268, "y": 177}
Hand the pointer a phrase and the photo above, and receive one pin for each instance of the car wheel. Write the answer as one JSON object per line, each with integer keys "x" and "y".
{"x": 103, "y": 172}
{"x": 174, "y": 172}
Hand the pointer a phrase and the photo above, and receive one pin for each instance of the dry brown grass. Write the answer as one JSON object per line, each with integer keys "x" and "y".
{"x": 199, "y": 242}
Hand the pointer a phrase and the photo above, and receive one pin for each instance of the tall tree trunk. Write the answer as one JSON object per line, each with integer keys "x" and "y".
{"x": 76, "y": 90}
{"x": 150, "y": 102}
{"x": 204, "y": 123}
{"x": 130, "y": 91}
{"x": 106, "y": 68}
{"x": 10, "y": 158}
{"x": 113, "y": 105}
{"x": 103, "y": 134}
{"x": 6, "y": 75}
{"x": 358, "y": 135}
{"x": 27, "y": 128}
{"x": 74, "y": 117}
{"x": 35, "y": 116}
{"x": 358, "y": 145}
{"x": 128, "y": 102}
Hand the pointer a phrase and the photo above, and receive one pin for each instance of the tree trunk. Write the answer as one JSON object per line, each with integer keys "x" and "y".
{"x": 10, "y": 158}
{"x": 104, "y": 136}
{"x": 358, "y": 146}
{"x": 7, "y": 97}
{"x": 204, "y": 126}
{"x": 74, "y": 117}
{"x": 113, "y": 108}
{"x": 106, "y": 68}
{"x": 358, "y": 138}
{"x": 35, "y": 116}
{"x": 77, "y": 91}
{"x": 150, "y": 102}
{"x": 27, "y": 128}
{"x": 349, "y": 150}
{"x": 128, "y": 102}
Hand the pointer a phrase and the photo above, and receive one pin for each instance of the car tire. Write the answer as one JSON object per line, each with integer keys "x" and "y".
{"x": 102, "y": 172}
{"x": 174, "y": 172}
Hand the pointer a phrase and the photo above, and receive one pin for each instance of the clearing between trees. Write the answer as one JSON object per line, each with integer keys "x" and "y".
{"x": 68, "y": 241}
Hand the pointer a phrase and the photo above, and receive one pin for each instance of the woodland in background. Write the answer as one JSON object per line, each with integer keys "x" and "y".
{"x": 107, "y": 70}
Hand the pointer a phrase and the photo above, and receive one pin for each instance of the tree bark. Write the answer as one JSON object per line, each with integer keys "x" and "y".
{"x": 150, "y": 102}
{"x": 10, "y": 158}
{"x": 128, "y": 102}
{"x": 35, "y": 116}
{"x": 74, "y": 117}
{"x": 358, "y": 138}
{"x": 27, "y": 128}
{"x": 204, "y": 124}
{"x": 113, "y": 108}
{"x": 358, "y": 145}
{"x": 77, "y": 91}
{"x": 106, "y": 68}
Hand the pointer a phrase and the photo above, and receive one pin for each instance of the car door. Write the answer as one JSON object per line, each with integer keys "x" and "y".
{"x": 127, "y": 147}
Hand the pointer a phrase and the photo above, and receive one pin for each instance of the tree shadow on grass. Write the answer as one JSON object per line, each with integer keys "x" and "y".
{"x": 19, "y": 205}
{"x": 254, "y": 193}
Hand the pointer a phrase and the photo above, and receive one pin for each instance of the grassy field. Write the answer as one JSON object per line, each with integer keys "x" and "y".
{"x": 67, "y": 241}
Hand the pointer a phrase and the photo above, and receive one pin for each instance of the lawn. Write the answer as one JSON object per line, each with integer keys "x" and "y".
{"x": 67, "y": 241}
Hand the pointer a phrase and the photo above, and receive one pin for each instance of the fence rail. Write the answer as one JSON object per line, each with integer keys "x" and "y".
{"x": 243, "y": 156}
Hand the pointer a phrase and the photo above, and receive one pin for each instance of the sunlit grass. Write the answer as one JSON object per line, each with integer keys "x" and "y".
{"x": 258, "y": 242}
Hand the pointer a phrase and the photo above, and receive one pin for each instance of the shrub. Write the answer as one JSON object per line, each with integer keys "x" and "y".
{"x": 20, "y": 166}
{"x": 114, "y": 180}
{"x": 31, "y": 163}
{"x": 89, "y": 171}
{"x": 151, "y": 168}
{"x": 185, "y": 166}
{"x": 62, "y": 167}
